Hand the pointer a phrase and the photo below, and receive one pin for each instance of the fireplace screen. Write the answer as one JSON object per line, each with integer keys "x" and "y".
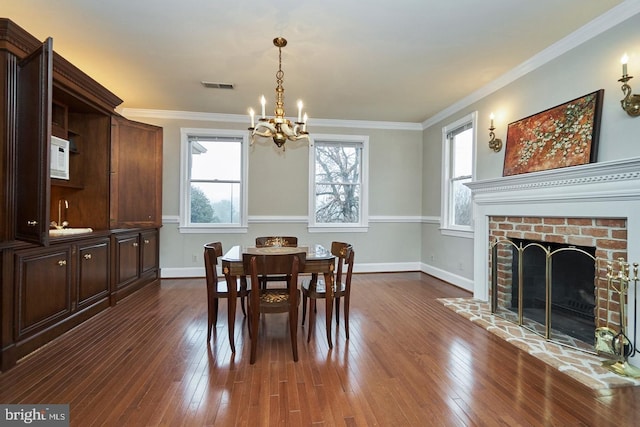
{"x": 547, "y": 288}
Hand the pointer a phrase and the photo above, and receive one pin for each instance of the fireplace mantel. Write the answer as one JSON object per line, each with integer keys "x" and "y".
{"x": 614, "y": 180}
{"x": 598, "y": 190}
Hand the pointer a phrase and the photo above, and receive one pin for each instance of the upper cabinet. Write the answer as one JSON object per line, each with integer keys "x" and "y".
{"x": 136, "y": 174}
{"x": 112, "y": 167}
{"x": 33, "y": 129}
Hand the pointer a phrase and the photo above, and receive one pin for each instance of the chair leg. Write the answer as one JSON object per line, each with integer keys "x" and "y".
{"x": 244, "y": 312}
{"x": 293, "y": 327}
{"x": 255, "y": 316}
{"x": 346, "y": 316}
{"x": 337, "y": 303}
{"x": 243, "y": 288}
{"x": 312, "y": 317}
{"x": 304, "y": 306}
{"x": 212, "y": 315}
{"x": 231, "y": 308}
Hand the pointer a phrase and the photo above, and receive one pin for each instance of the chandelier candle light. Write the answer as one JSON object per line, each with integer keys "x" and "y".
{"x": 279, "y": 128}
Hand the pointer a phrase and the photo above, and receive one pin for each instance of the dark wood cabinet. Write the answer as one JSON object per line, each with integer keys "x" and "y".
{"x": 135, "y": 260}
{"x": 136, "y": 174}
{"x": 33, "y": 129}
{"x": 44, "y": 284}
{"x": 58, "y": 287}
{"x": 114, "y": 186}
{"x": 127, "y": 259}
{"x": 93, "y": 272}
{"x": 149, "y": 252}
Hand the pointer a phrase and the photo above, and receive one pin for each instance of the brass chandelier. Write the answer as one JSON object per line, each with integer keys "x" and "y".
{"x": 279, "y": 128}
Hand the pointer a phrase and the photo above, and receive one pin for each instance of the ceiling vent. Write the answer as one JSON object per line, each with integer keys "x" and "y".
{"x": 217, "y": 85}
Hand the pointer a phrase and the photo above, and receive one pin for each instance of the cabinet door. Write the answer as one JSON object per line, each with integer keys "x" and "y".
{"x": 33, "y": 132}
{"x": 93, "y": 272}
{"x": 149, "y": 251}
{"x": 127, "y": 259}
{"x": 43, "y": 282}
{"x": 136, "y": 174}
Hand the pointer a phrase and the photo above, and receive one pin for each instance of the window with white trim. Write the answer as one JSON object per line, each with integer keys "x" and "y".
{"x": 459, "y": 141}
{"x": 338, "y": 178}
{"x": 213, "y": 180}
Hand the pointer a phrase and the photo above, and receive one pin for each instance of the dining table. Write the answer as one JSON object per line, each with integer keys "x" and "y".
{"x": 319, "y": 260}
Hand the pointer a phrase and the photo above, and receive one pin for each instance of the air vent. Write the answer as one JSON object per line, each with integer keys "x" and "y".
{"x": 217, "y": 85}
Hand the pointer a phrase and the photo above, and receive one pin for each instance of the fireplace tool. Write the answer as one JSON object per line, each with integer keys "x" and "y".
{"x": 613, "y": 343}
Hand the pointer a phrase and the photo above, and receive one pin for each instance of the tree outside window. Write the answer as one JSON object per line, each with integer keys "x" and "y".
{"x": 214, "y": 179}
{"x": 338, "y": 181}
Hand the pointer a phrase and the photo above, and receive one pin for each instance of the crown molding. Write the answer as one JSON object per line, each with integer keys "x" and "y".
{"x": 241, "y": 118}
{"x": 602, "y": 23}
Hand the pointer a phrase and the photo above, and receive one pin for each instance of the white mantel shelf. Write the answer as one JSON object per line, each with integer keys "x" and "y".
{"x": 610, "y": 181}
{"x": 597, "y": 190}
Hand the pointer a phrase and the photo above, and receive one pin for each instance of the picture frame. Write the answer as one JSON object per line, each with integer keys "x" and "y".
{"x": 561, "y": 136}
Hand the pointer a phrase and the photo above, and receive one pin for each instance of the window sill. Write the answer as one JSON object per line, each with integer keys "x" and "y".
{"x": 467, "y": 234}
{"x": 338, "y": 229}
{"x": 212, "y": 229}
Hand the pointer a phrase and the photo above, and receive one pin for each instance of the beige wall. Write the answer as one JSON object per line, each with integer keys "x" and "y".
{"x": 593, "y": 65}
{"x": 278, "y": 187}
{"x": 405, "y": 167}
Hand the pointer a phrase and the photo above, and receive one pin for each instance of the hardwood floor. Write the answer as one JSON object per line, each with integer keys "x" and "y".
{"x": 409, "y": 361}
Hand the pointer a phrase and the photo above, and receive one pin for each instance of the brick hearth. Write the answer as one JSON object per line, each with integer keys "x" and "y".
{"x": 577, "y": 203}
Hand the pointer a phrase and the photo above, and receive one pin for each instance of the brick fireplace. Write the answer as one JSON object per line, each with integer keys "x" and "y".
{"x": 591, "y": 205}
{"x": 603, "y": 238}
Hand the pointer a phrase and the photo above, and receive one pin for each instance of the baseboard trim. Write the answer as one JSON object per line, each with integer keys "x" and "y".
{"x": 454, "y": 279}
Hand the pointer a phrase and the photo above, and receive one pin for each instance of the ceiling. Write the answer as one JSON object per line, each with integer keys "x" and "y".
{"x": 399, "y": 61}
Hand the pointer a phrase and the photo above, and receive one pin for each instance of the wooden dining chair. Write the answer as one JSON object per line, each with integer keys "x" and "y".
{"x": 274, "y": 300}
{"x": 275, "y": 241}
{"x": 315, "y": 288}
{"x": 217, "y": 289}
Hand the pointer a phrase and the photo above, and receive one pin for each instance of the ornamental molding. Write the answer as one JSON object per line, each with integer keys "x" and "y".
{"x": 616, "y": 172}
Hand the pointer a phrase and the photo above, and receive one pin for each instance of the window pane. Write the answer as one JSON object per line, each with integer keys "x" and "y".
{"x": 216, "y": 160}
{"x": 215, "y": 203}
{"x": 461, "y": 202}
{"x": 462, "y": 155}
{"x": 337, "y": 203}
{"x": 337, "y": 163}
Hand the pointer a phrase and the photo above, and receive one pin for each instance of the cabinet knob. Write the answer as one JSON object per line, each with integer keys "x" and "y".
{"x": 87, "y": 256}
{"x": 62, "y": 262}
{"x": 32, "y": 223}
{"x": 135, "y": 244}
{"x": 146, "y": 241}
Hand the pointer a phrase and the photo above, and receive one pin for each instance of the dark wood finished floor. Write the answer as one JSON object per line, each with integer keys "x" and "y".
{"x": 409, "y": 362}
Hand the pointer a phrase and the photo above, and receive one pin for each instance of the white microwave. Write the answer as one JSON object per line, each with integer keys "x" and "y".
{"x": 59, "y": 155}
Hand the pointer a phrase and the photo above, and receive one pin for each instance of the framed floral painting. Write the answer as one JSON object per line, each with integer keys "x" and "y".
{"x": 565, "y": 135}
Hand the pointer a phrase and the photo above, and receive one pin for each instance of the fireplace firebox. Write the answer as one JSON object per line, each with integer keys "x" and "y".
{"x": 571, "y": 273}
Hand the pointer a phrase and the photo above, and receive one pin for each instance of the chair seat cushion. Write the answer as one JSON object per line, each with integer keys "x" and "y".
{"x": 275, "y": 296}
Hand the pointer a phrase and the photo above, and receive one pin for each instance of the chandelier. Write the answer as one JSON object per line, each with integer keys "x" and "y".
{"x": 279, "y": 128}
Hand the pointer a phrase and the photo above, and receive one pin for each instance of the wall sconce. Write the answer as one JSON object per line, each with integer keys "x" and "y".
{"x": 630, "y": 103}
{"x": 494, "y": 143}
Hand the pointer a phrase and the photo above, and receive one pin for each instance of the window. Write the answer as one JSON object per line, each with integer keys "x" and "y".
{"x": 458, "y": 169}
{"x": 338, "y": 169}
{"x": 214, "y": 180}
